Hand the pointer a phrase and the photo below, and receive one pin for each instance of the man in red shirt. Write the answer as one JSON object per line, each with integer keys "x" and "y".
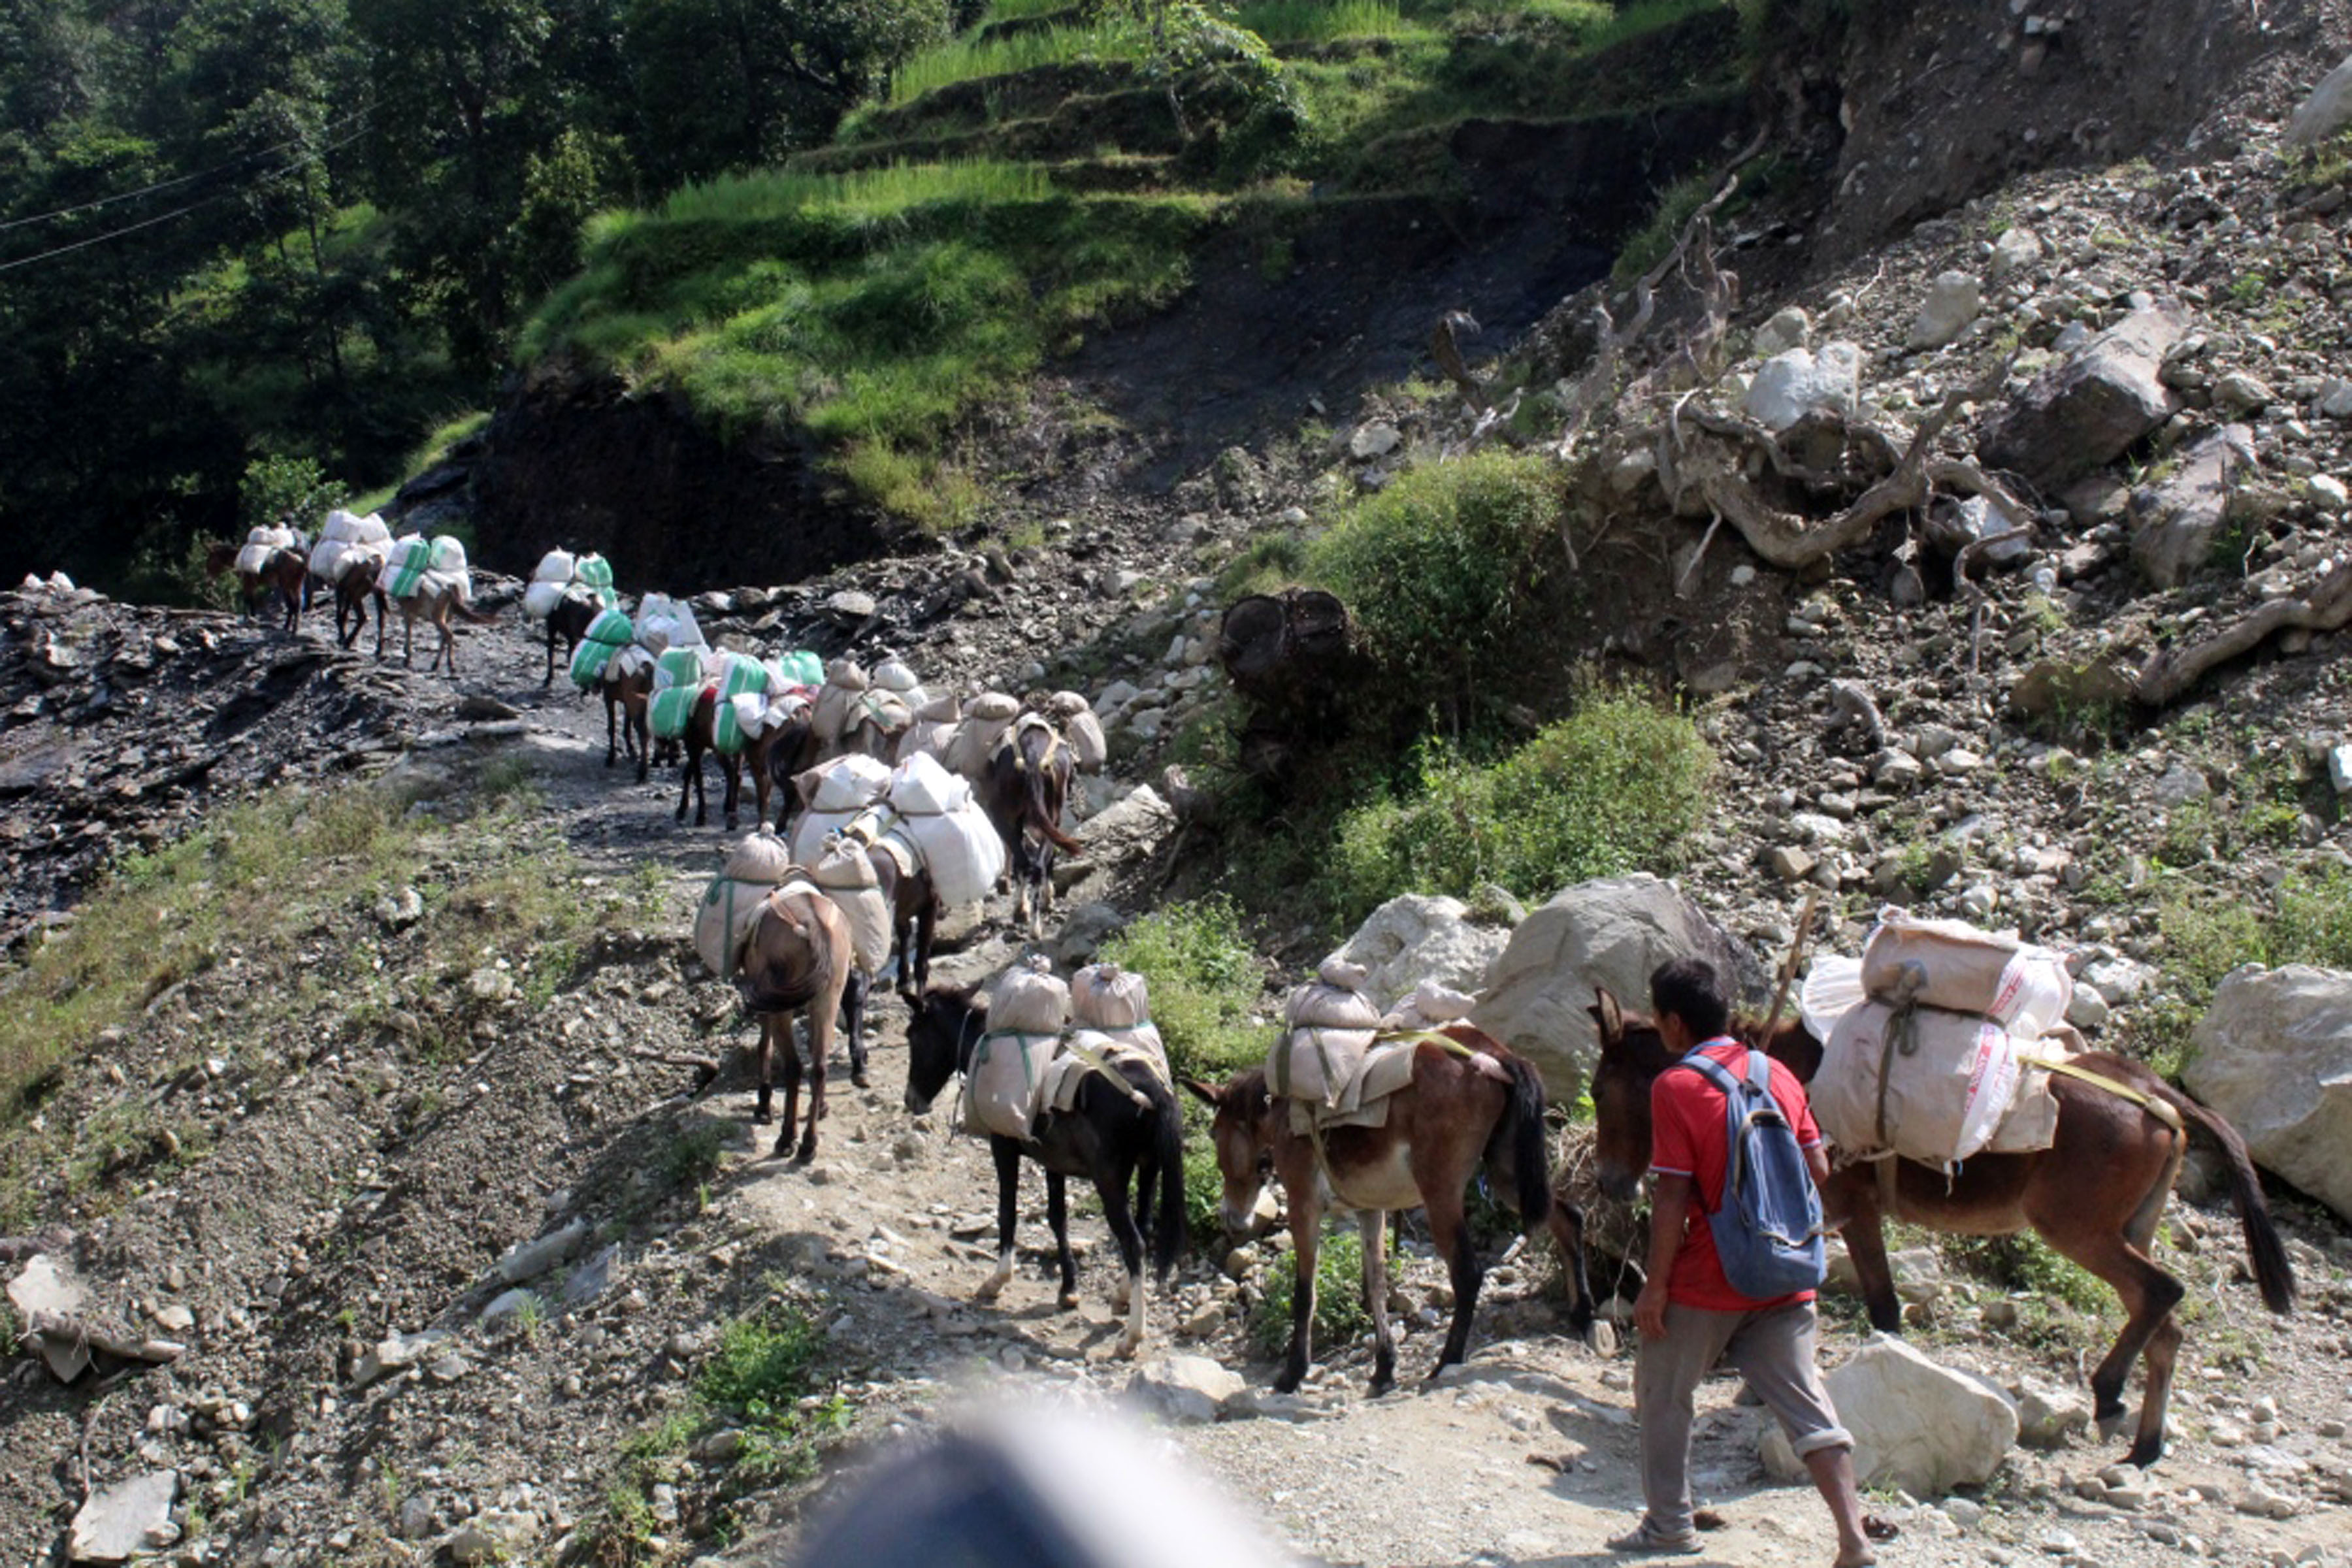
{"x": 1689, "y": 1315}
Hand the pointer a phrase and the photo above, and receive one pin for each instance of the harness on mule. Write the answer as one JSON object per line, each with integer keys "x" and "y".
{"x": 1365, "y": 1104}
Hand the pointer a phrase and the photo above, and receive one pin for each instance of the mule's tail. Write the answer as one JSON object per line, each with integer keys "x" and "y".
{"x": 1041, "y": 813}
{"x": 1168, "y": 1230}
{"x": 2273, "y": 1273}
{"x": 1530, "y": 1149}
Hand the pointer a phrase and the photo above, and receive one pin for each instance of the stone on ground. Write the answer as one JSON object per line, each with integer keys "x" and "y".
{"x": 1793, "y": 384}
{"x": 1416, "y": 938}
{"x": 2325, "y": 112}
{"x": 1190, "y": 1390}
{"x": 1610, "y": 933}
{"x": 2047, "y": 1416}
{"x": 1917, "y": 1426}
{"x": 1951, "y": 306}
{"x": 2274, "y": 1056}
{"x": 2176, "y": 519}
{"x": 125, "y": 1520}
{"x": 2084, "y": 413}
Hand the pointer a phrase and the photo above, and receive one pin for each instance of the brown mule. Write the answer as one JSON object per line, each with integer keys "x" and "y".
{"x": 440, "y": 609}
{"x": 1451, "y": 1122}
{"x": 797, "y": 960}
{"x": 1028, "y": 780}
{"x": 287, "y": 573}
{"x": 352, "y": 590}
{"x": 627, "y": 698}
{"x": 568, "y": 623}
{"x": 2094, "y": 1195}
{"x": 758, "y": 754}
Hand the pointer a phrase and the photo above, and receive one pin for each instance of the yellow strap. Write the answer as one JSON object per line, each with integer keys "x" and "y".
{"x": 2148, "y": 1102}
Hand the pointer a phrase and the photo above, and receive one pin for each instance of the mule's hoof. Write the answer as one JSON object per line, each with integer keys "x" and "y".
{"x": 1384, "y": 1383}
{"x": 2144, "y": 1456}
{"x": 857, "y": 1080}
{"x": 806, "y": 1151}
{"x": 1129, "y": 1345}
{"x": 1068, "y": 1300}
{"x": 1288, "y": 1382}
{"x": 762, "y": 1117}
{"x": 989, "y": 1288}
{"x": 2111, "y": 1423}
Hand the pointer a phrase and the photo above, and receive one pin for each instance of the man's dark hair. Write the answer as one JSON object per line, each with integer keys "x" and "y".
{"x": 1690, "y": 989}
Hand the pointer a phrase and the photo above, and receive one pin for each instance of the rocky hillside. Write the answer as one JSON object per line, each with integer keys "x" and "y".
{"x": 1988, "y": 535}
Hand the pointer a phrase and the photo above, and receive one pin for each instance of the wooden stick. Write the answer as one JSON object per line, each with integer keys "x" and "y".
{"x": 1788, "y": 965}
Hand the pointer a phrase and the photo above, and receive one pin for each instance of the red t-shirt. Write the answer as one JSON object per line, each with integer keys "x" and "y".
{"x": 1686, "y": 1116}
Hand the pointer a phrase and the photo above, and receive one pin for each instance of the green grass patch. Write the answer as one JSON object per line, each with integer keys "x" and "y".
{"x": 1205, "y": 977}
{"x": 1323, "y": 21}
{"x": 1340, "y": 1317}
{"x": 2208, "y": 935}
{"x": 2023, "y": 1261}
{"x": 968, "y": 59}
{"x": 878, "y": 309}
{"x": 1617, "y": 786}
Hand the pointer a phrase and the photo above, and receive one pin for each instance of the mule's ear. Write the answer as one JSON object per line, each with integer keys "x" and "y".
{"x": 1607, "y": 1016}
{"x": 1212, "y": 1097}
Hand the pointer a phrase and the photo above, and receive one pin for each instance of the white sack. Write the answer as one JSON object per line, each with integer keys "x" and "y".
{"x": 921, "y": 786}
{"x": 556, "y": 566}
{"x": 1960, "y": 1089}
{"x": 1029, "y": 999}
{"x": 2023, "y": 988}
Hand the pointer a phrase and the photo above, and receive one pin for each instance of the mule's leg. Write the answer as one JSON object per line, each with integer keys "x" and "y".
{"x": 854, "y": 996}
{"x": 407, "y": 637}
{"x": 1449, "y": 1228}
{"x": 927, "y": 922}
{"x": 1057, "y": 1218}
{"x": 764, "y": 1113}
{"x": 782, "y": 1025}
{"x": 734, "y": 768}
{"x": 1124, "y": 1231}
{"x": 2163, "y": 1355}
{"x": 379, "y": 613}
{"x": 1007, "y": 1154}
{"x": 1865, "y": 1243}
{"x": 612, "y": 730}
{"x": 690, "y": 784}
{"x": 549, "y": 678}
{"x": 820, "y": 1046}
{"x": 1374, "y": 1227}
{"x": 1566, "y": 1222}
{"x": 1306, "y": 1235}
{"x": 2149, "y": 1295}
{"x": 636, "y": 721}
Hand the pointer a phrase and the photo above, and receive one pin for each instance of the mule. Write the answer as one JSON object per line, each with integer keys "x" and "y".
{"x": 440, "y": 609}
{"x": 777, "y": 757}
{"x": 286, "y": 572}
{"x": 797, "y": 960}
{"x": 1452, "y": 1123}
{"x": 700, "y": 739}
{"x": 352, "y": 590}
{"x": 1106, "y": 1138}
{"x": 2095, "y": 1195}
{"x": 1028, "y": 780}
{"x": 569, "y": 622}
{"x": 627, "y": 698}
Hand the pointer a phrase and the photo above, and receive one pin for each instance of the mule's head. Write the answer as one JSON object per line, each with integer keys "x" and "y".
{"x": 946, "y": 1025}
{"x": 1632, "y": 1055}
{"x": 1243, "y": 1136}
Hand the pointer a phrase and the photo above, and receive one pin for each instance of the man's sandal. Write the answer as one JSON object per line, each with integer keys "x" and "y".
{"x": 1649, "y": 1540}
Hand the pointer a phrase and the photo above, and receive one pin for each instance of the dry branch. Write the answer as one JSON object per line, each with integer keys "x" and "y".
{"x": 2166, "y": 677}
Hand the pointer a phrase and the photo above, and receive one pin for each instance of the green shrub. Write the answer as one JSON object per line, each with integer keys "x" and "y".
{"x": 1615, "y": 787}
{"x": 1340, "y": 1317}
{"x": 1205, "y": 977}
{"x": 1436, "y": 567}
{"x": 2023, "y": 1261}
{"x": 761, "y": 1369}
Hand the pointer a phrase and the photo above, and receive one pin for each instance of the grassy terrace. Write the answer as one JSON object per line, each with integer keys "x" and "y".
{"x": 1025, "y": 183}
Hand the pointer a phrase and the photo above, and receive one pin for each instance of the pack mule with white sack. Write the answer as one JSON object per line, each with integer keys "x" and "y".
{"x": 767, "y": 929}
{"x": 877, "y": 719}
{"x": 847, "y": 871}
{"x": 1078, "y": 1102}
{"x": 272, "y": 560}
{"x": 347, "y": 559}
{"x": 1377, "y": 1113}
{"x": 430, "y": 581}
{"x": 1024, "y": 786}
{"x": 730, "y": 705}
{"x": 569, "y": 593}
{"x": 844, "y": 808}
{"x": 1958, "y": 1099}
{"x": 609, "y": 662}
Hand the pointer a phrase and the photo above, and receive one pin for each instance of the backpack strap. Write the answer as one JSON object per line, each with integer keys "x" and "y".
{"x": 1714, "y": 1071}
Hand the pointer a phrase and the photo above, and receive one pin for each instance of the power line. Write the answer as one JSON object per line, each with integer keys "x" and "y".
{"x": 182, "y": 180}
{"x": 166, "y": 218}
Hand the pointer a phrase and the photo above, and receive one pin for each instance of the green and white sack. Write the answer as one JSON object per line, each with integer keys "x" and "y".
{"x": 606, "y": 636}
{"x": 678, "y": 684}
{"x": 738, "y": 675}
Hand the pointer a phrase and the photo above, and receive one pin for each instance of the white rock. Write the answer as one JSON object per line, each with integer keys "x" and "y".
{"x": 2181, "y": 785}
{"x": 1789, "y": 328}
{"x": 2325, "y": 112}
{"x": 1416, "y": 938}
{"x": 535, "y": 1258}
{"x": 2339, "y": 768}
{"x": 1793, "y": 385}
{"x": 1115, "y": 696}
{"x": 2272, "y": 1054}
{"x": 1952, "y": 303}
{"x": 2015, "y": 251}
{"x": 124, "y": 1520}
{"x": 2047, "y": 1415}
{"x": 1917, "y": 1426}
{"x": 1610, "y": 933}
{"x": 2328, "y": 494}
{"x": 2334, "y": 399}
{"x": 394, "y": 1354}
{"x": 1189, "y": 1390}
{"x": 2088, "y": 1010}
{"x": 1374, "y": 438}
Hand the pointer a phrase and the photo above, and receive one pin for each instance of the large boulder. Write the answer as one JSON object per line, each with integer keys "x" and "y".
{"x": 126, "y": 1519}
{"x": 2084, "y": 412}
{"x": 2177, "y": 518}
{"x": 2275, "y": 1055}
{"x": 1416, "y": 938}
{"x": 1917, "y": 1426}
{"x": 1611, "y": 933}
{"x": 2327, "y": 111}
{"x": 1793, "y": 384}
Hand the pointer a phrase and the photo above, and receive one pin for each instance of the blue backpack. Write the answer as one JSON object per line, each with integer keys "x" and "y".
{"x": 1767, "y": 1229}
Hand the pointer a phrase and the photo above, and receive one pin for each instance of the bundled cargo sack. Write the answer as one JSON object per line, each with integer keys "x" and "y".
{"x": 844, "y": 682}
{"x": 882, "y": 711}
{"x": 834, "y": 795}
{"x": 1028, "y": 997}
{"x": 985, "y": 718}
{"x": 446, "y": 561}
{"x": 261, "y": 545}
{"x": 405, "y": 565}
{"x": 607, "y": 636}
{"x": 730, "y": 904}
{"x": 846, "y": 874}
{"x": 677, "y": 685}
{"x": 802, "y": 667}
{"x": 1953, "y": 965}
{"x": 1432, "y": 1005}
{"x": 738, "y": 677}
{"x": 921, "y": 786}
{"x": 934, "y": 726}
{"x": 1090, "y": 748}
{"x": 540, "y": 600}
{"x": 1117, "y": 1002}
{"x": 556, "y": 566}
{"x": 345, "y": 528}
{"x": 895, "y": 677}
{"x": 327, "y": 559}
{"x": 1007, "y": 1080}
{"x": 1932, "y": 1086}
{"x": 959, "y": 848}
{"x": 664, "y": 624}
{"x": 1331, "y": 1027}
{"x": 593, "y": 572}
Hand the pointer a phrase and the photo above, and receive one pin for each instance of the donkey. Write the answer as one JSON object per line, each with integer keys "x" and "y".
{"x": 570, "y": 620}
{"x": 1028, "y": 779}
{"x": 352, "y": 586}
{"x": 777, "y": 756}
{"x": 1472, "y": 1106}
{"x": 286, "y": 572}
{"x": 2094, "y": 1195}
{"x": 440, "y": 609}
{"x": 626, "y": 698}
{"x": 701, "y": 738}
{"x": 1121, "y": 1132}
{"x": 797, "y": 959}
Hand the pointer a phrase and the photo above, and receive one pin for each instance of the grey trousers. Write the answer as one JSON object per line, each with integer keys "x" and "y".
{"x": 1772, "y": 1349}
